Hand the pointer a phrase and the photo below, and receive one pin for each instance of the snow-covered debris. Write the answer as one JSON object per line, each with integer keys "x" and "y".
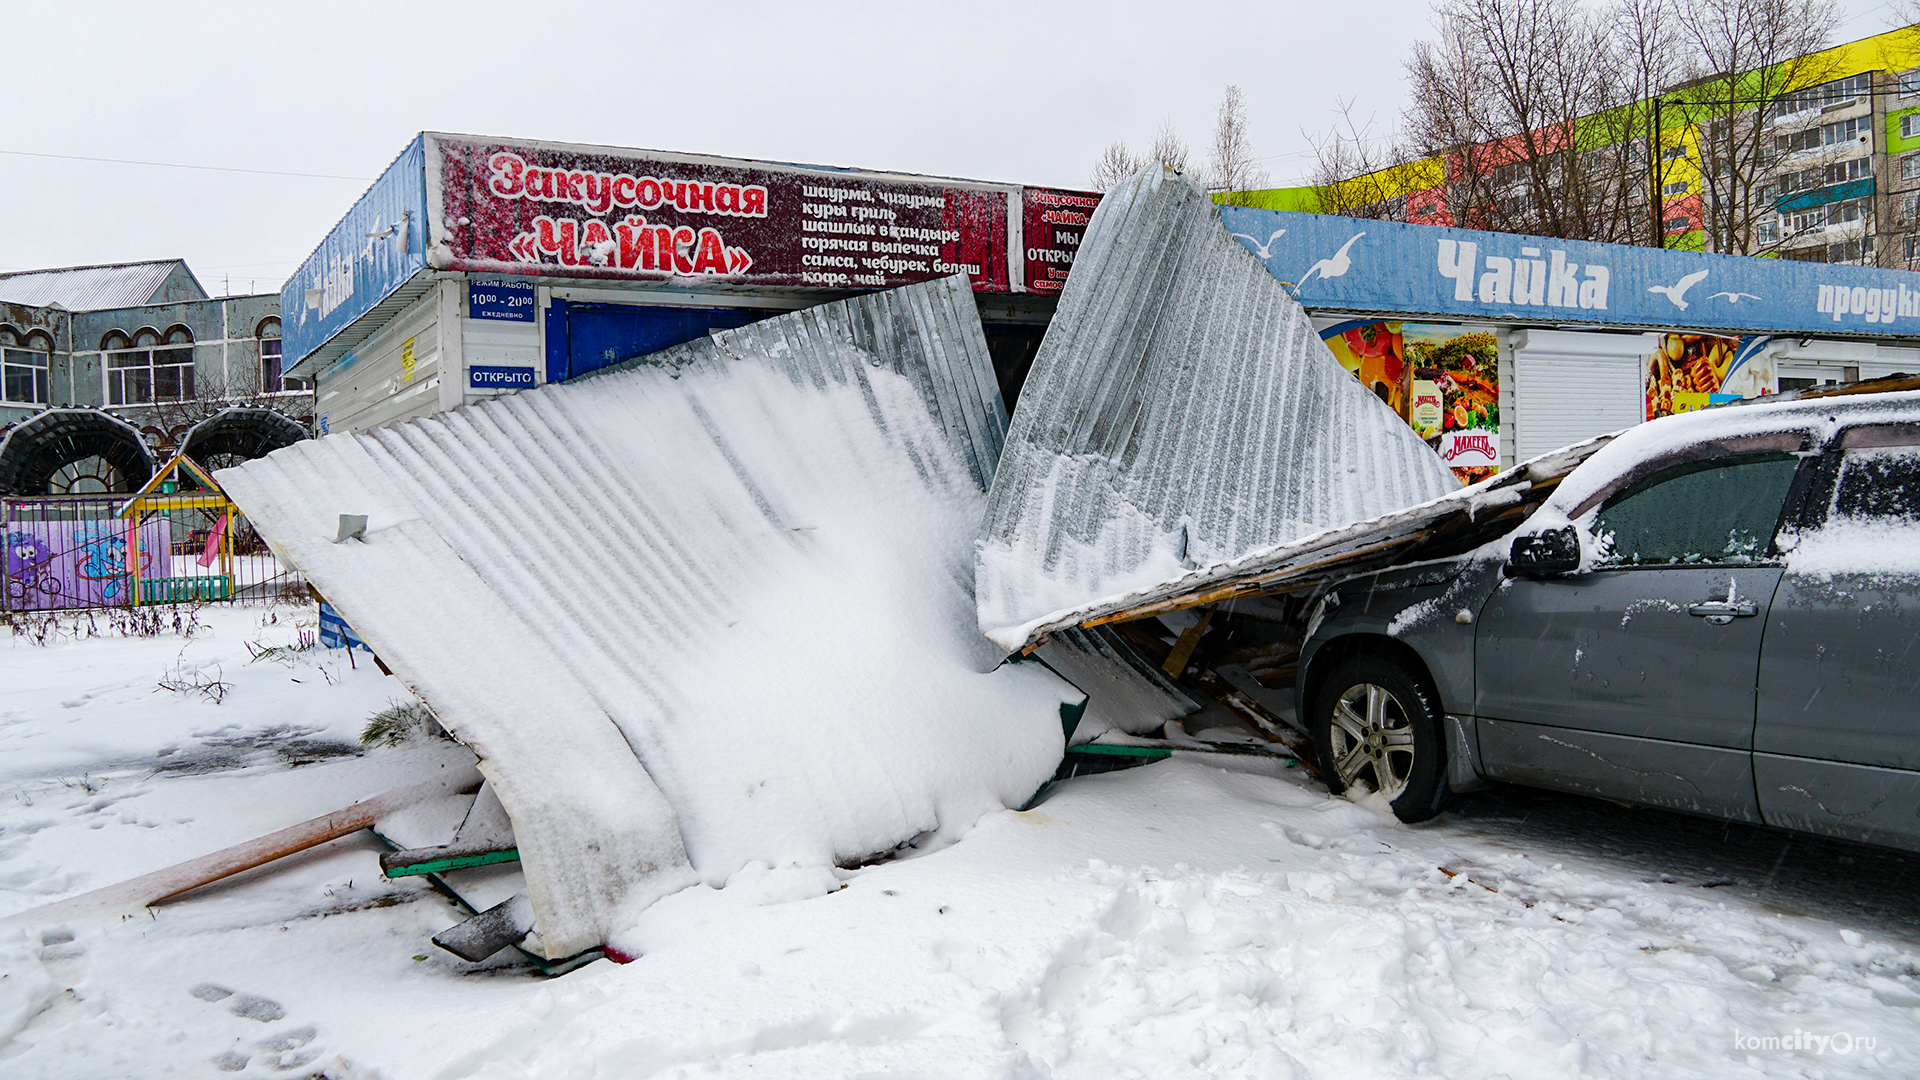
{"x": 700, "y": 614}
{"x": 1181, "y": 413}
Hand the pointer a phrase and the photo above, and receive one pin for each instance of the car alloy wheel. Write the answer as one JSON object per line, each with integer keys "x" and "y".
{"x": 1371, "y": 740}
{"x": 1376, "y": 724}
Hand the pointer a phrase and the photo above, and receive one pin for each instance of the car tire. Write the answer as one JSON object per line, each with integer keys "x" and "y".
{"x": 1375, "y": 723}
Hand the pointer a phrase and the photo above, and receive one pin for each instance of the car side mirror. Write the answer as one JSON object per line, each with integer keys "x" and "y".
{"x": 1544, "y": 554}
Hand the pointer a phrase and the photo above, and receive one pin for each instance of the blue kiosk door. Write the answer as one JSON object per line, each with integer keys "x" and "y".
{"x": 585, "y": 337}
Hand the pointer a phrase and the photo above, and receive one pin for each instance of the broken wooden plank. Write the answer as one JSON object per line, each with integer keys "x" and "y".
{"x": 148, "y": 889}
{"x": 1176, "y": 664}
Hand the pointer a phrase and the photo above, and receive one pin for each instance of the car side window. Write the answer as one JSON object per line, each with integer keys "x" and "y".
{"x": 1879, "y": 483}
{"x": 1718, "y": 511}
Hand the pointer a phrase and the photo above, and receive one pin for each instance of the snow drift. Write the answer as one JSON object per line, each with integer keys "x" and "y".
{"x": 708, "y": 613}
{"x": 1181, "y": 412}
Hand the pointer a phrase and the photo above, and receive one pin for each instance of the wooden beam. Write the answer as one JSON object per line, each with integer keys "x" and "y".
{"x": 149, "y": 889}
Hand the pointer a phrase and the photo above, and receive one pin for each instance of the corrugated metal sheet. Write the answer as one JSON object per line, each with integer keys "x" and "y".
{"x": 597, "y": 585}
{"x": 87, "y": 288}
{"x": 1181, "y": 413}
{"x": 937, "y": 353}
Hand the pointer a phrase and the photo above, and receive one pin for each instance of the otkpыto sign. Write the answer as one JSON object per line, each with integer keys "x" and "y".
{"x": 499, "y": 378}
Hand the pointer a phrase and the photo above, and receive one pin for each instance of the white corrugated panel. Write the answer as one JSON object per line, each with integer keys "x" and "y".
{"x": 1182, "y": 412}
{"x": 725, "y": 602}
{"x": 376, "y": 388}
{"x": 1572, "y": 386}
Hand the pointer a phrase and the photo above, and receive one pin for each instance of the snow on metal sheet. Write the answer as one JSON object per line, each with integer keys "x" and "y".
{"x": 937, "y": 354}
{"x": 706, "y": 617}
{"x": 89, "y": 288}
{"x": 1181, "y": 412}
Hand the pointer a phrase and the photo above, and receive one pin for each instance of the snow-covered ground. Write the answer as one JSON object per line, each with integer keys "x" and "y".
{"x": 1204, "y": 916}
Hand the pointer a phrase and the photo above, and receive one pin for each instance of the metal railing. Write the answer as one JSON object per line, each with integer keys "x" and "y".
{"x": 74, "y": 552}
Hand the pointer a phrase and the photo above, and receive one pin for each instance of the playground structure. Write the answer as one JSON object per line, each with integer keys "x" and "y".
{"x": 178, "y": 539}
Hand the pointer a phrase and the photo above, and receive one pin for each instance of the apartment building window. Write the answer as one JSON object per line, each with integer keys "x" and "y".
{"x": 1910, "y": 167}
{"x": 1847, "y": 210}
{"x": 1769, "y": 231}
{"x": 1913, "y": 248}
{"x": 1673, "y": 152}
{"x": 1820, "y": 176}
{"x": 1817, "y": 97}
{"x": 1850, "y": 250}
{"x": 23, "y": 365}
{"x": 148, "y": 367}
{"x": 1813, "y": 138}
{"x": 1907, "y": 82}
{"x": 1838, "y": 213}
{"x": 1679, "y": 224}
{"x": 1907, "y": 208}
{"x": 1909, "y": 124}
{"x": 1678, "y": 188}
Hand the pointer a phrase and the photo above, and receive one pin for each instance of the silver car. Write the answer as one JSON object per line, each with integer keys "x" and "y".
{"x": 1717, "y": 612}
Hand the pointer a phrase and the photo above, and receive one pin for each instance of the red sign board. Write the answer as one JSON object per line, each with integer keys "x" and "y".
{"x": 1052, "y": 223}
{"x": 596, "y": 212}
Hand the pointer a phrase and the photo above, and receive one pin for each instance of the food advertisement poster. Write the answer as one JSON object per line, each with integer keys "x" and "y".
{"x": 1685, "y": 372}
{"x": 1443, "y": 379}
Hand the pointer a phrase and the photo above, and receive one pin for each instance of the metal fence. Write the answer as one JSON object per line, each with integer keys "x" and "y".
{"x": 111, "y": 551}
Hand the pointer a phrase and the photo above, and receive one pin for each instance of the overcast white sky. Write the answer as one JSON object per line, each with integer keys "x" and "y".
{"x": 1016, "y": 92}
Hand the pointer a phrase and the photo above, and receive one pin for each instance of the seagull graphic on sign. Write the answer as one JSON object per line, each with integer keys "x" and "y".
{"x": 1677, "y": 292}
{"x": 1335, "y": 265}
{"x": 1265, "y": 251}
{"x": 1732, "y": 297}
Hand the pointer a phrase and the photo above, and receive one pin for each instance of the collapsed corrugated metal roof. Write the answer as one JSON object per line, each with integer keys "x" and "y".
{"x": 89, "y": 288}
{"x": 1448, "y": 525}
{"x": 1181, "y": 413}
{"x": 700, "y": 615}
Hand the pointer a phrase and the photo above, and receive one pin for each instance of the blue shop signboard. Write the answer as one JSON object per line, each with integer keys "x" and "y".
{"x": 375, "y": 249}
{"x": 499, "y": 378}
{"x": 504, "y": 301}
{"x": 1354, "y": 265}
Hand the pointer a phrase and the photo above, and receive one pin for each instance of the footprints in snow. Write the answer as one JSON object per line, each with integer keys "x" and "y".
{"x": 280, "y": 1051}
{"x": 262, "y": 1009}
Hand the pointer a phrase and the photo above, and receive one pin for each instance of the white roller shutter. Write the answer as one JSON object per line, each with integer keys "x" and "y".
{"x": 1572, "y": 386}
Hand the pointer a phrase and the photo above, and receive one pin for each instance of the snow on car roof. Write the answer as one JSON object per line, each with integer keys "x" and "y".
{"x": 1668, "y": 434}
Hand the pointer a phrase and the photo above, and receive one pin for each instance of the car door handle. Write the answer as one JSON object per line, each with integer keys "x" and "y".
{"x": 1722, "y": 612}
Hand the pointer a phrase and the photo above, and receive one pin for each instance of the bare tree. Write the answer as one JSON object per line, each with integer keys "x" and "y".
{"x": 1357, "y": 174}
{"x": 1234, "y": 169}
{"x": 165, "y": 423}
{"x": 1643, "y": 35}
{"x": 1168, "y": 148}
{"x": 1116, "y": 164}
{"x": 1514, "y": 98}
{"x": 1748, "y": 54}
{"x": 1536, "y": 116}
